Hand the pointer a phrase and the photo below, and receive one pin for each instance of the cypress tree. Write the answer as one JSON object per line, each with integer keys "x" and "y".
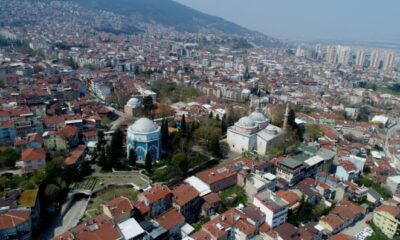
{"x": 292, "y": 119}
{"x": 148, "y": 164}
{"x": 183, "y": 123}
{"x": 223, "y": 124}
{"x": 164, "y": 132}
{"x": 214, "y": 146}
{"x": 132, "y": 157}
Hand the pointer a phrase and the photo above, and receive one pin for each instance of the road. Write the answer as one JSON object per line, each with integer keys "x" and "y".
{"x": 62, "y": 224}
{"x": 359, "y": 226}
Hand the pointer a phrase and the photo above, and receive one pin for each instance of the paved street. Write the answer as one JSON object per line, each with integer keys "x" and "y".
{"x": 72, "y": 217}
{"x": 359, "y": 226}
{"x": 62, "y": 224}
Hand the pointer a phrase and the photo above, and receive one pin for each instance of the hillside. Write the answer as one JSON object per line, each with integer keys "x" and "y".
{"x": 178, "y": 16}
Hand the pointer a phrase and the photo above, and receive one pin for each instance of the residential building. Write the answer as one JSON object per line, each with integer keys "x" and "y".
{"x": 210, "y": 205}
{"x": 346, "y": 171}
{"x": 256, "y": 183}
{"x": 273, "y": 206}
{"x": 119, "y": 209}
{"x": 8, "y": 132}
{"x": 387, "y": 219}
{"x": 393, "y": 185}
{"x": 344, "y": 214}
{"x": 186, "y": 199}
{"x": 16, "y": 224}
{"x": 32, "y": 159}
{"x": 158, "y": 199}
{"x": 231, "y": 224}
{"x": 172, "y": 221}
{"x": 291, "y": 171}
{"x": 99, "y": 227}
{"x": 225, "y": 175}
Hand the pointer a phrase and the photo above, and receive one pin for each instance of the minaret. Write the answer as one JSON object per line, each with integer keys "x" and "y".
{"x": 285, "y": 120}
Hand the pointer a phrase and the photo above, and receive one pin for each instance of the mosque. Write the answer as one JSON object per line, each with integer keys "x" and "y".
{"x": 145, "y": 137}
{"x": 253, "y": 133}
{"x": 132, "y": 107}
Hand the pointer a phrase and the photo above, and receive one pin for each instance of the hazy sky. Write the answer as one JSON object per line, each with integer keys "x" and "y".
{"x": 375, "y": 20}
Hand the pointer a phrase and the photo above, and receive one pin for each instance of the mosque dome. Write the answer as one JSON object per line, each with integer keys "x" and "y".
{"x": 246, "y": 122}
{"x": 143, "y": 125}
{"x": 258, "y": 117}
{"x": 133, "y": 102}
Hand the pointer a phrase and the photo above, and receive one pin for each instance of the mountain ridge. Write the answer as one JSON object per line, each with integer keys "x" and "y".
{"x": 178, "y": 16}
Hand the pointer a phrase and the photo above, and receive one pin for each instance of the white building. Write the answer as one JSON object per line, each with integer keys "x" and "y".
{"x": 393, "y": 185}
{"x": 253, "y": 133}
{"x": 274, "y": 207}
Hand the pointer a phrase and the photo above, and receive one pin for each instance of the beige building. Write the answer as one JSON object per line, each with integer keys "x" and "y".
{"x": 387, "y": 219}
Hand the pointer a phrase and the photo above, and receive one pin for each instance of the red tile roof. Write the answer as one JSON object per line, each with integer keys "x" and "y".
{"x": 119, "y": 206}
{"x": 156, "y": 193}
{"x": 99, "y": 228}
{"x": 341, "y": 236}
{"x": 13, "y": 218}
{"x": 226, "y": 170}
{"x": 33, "y": 154}
{"x": 332, "y": 220}
{"x": 184, "y": 193}
{"x": 392, "y": 210}
{"x": 201, "y": 235}
{"x": 170, "y": 219}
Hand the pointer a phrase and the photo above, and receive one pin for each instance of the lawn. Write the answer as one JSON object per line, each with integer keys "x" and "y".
{"x": 94, "y": 208}
{"x": 233, "y": 196}
{"x": 166, "y": 172}
{"x": 87, "y": 184}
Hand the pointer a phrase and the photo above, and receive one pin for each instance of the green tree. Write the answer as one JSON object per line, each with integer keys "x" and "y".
{"x": 313, "y": 131}
{"x": 132, "y": 157}
{"x": 183, "y": 123}
{"x": 101, "y": 141}
{"x": 52, "y": 192}
{"x": 102, "y": 160}
{"x": 9, "y": 156}
{"x": 214, "y": 146}
{"x": 94, "y": 155}
{"x": 363, "y": 114}
{"x": 164, "y": 132}
{"x": 292, "y": 119}
{"x": 116, "y": 150}
{"x": 148, "y": 104}
{"x": 84, "y": 168}
{"x": 180, "y": 160}
{"x": 294, "y": 126}
{"x": 148, "y": 164}
{"x": 210, "y": 116}
{"x": 224, "y": 124}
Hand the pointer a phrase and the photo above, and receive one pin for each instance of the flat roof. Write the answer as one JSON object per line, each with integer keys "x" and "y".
{"x": 28, "y": 198}
{"x": 291, "y": 163}
{"x": 130, "y": 228}
{"x": 314, "y": 160}
{"x": 199, "y": 185}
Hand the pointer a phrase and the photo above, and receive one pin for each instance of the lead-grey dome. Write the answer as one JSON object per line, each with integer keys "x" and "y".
{"x": 246, "y": 122}
{"x": 258, "y": 117}
{"x": 143, "y": 125}
{"x": 133, "y": 102}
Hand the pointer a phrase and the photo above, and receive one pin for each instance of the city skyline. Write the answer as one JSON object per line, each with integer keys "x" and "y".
{"x": 308, "y": 20}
